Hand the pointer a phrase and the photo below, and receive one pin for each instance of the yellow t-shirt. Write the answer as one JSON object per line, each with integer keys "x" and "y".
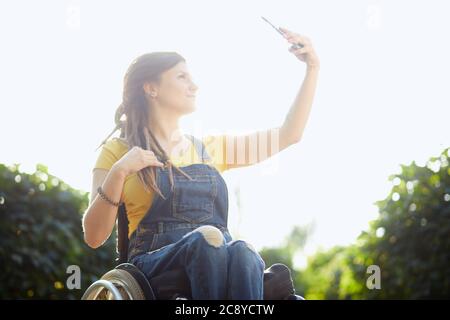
{"x": 136, "y": 199}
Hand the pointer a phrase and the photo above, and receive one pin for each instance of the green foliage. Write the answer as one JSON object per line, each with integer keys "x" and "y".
{"x": 294, "y": 242}
{"x": 323, "y": 284}
{"x": 409, "y": 241}
{"x": 277, "y": 255}
{"x": 41, "y": 235}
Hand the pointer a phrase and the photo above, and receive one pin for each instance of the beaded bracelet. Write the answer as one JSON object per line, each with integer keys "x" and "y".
{"x": 105, "y": 197}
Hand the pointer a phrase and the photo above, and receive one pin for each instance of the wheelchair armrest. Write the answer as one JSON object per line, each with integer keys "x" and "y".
{"x": 278, "y": 284}
{"x": 294, "y": 297}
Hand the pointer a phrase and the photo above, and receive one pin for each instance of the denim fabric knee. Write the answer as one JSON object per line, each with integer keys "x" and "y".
{"x": 225, "y": 270}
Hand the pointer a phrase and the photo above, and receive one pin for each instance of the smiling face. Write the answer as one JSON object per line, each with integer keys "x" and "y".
{"x": 175, "y": 91}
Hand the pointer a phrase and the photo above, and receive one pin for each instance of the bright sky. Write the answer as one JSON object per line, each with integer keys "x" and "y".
{"x": 382, "y": 96}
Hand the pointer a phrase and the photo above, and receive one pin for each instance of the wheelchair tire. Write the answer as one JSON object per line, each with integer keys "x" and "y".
{"x": 126, "y": 284}
{"x": 141, "y": 279}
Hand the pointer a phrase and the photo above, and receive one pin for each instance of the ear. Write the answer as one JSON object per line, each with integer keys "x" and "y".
{"x": 149, "y": 88}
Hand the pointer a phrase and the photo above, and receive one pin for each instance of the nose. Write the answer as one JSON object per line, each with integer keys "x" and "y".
{"x": 193, "y": 88}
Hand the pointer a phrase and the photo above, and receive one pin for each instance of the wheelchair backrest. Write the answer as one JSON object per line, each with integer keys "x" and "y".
{"x": 122, "y": 235}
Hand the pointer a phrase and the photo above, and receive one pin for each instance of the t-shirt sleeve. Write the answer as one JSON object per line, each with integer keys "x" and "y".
{"x": 109, "y": 154}
{"x": 215, "y": 145}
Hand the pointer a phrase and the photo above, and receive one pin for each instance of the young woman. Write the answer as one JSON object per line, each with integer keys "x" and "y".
{"x": 177, "y": 205}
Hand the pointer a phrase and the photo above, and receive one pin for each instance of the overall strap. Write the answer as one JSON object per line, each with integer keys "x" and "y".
{"x": 200, "y": 148}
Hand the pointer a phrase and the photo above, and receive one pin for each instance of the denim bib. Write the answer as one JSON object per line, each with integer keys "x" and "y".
{"x": 191, "y": 204}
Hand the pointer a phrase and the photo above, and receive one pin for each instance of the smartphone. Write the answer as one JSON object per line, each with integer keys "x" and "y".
{"x": 294, "y": 46}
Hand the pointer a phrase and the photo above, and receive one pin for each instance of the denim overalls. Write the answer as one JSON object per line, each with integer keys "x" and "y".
{"x": 166, "y": 238}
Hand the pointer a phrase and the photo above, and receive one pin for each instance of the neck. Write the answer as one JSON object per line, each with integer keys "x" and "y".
{"x": 165, "y": 128}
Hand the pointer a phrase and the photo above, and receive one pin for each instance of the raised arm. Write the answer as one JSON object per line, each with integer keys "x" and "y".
{"x": 248, "y": 149}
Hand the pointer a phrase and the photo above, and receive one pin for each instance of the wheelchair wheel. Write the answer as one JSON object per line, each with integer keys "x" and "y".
{"x": 114, "y": 282}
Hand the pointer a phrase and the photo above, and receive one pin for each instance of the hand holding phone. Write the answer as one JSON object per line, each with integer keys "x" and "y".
{"x": 294, "y": 46}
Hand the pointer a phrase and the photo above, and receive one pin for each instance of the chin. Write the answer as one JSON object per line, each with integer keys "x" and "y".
{"x": 188, "y": 109}
{"x": 192, "y": 110}
{"x": 191, "y": 107}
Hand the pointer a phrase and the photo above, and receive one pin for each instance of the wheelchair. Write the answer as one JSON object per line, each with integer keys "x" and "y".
{"x": 127, "y": 282}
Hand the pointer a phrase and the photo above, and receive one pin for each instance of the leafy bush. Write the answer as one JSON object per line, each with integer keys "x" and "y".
{"x": 409, "y": 241}
{"x": 41, "y": 235}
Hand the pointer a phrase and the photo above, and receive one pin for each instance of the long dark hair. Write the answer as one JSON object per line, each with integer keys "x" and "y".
{"x": 131, "y": 116}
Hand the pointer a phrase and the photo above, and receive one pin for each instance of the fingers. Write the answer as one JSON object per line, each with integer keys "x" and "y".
{"x": 285, "y": 31}
{"x": 157, "y": 163}
{"x": 288, "y": 34}
{"x": 296, "y": 46}
{"x": 149, "y": 152}
{"x": 297, "y": 39}
{"x": 293, "y": 37}
{"x": 303, "y": 50}
{"x": 152, "y": 160}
